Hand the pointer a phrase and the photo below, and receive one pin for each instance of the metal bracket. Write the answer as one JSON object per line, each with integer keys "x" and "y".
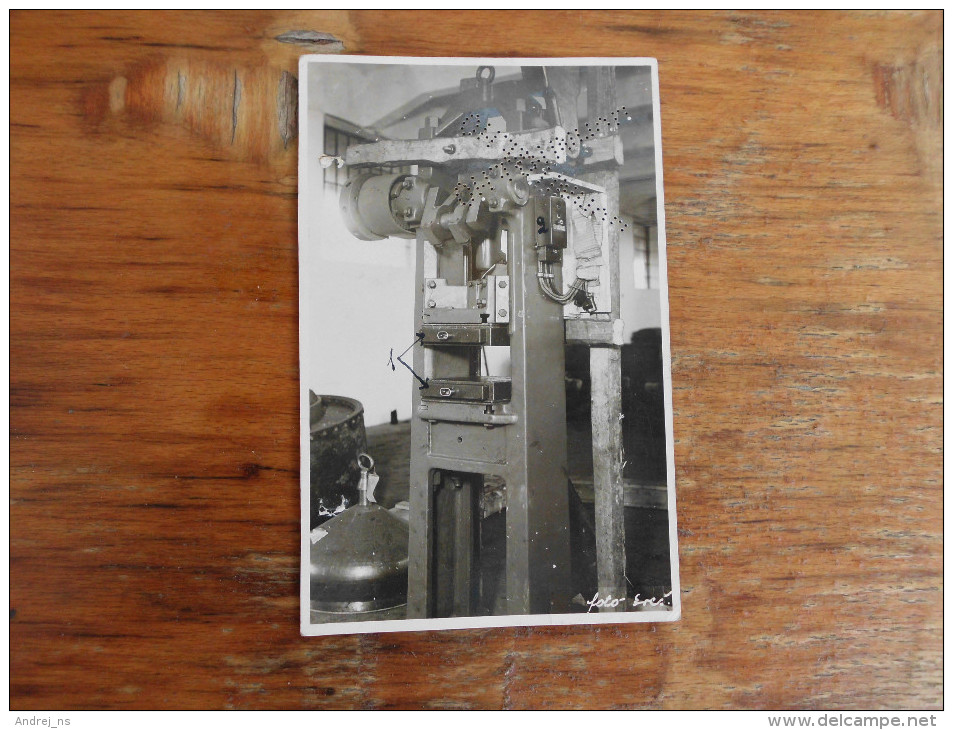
{"x": 548, "y": 145}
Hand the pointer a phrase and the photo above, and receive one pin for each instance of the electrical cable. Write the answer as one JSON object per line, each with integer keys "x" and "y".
{"x": 545, "y": 277}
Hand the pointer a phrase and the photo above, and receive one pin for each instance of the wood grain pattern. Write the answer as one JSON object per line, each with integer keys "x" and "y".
{"x": 154, "y": 460}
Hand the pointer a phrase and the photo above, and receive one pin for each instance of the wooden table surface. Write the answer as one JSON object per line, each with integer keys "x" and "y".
{"x": 154, "y": 378}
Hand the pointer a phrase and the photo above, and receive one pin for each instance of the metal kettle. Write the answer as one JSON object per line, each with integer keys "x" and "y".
{"x": 359, "y": 557}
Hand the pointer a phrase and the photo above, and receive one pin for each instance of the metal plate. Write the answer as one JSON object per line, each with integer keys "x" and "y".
{"x": 484, "y": 390}
{"x": 455, "y": 304}
{"x": 544, "y": 144}
{"x": 551, "y": 222}
{"x": 468, "y": 442}
{"x": 465, "y": 334}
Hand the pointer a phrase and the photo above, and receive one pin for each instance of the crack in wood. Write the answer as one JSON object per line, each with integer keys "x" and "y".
{"x": 236, "y": 101}
{"x": 287, "y": 107}
{"x": 316, "y": 40}
{"x": 180, "y": 93}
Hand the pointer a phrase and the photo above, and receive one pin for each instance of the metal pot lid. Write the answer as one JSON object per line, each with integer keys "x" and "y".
{"x": 365, "y": 543}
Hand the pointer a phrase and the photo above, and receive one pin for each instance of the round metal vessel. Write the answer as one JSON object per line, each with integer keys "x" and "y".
{"x": 360, "y": 564}
{"x": 337, "y": 437}
{"x": 318, "y": 407}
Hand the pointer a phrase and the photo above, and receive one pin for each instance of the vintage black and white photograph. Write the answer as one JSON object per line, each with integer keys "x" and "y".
{"x": 486, "y": 421}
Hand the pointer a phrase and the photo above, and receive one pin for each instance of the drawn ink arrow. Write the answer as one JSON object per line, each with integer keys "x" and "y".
{"x": 420, "y": 338}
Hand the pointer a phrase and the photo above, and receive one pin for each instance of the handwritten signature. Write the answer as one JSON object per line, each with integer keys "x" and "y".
{"x": 610, "y": 602}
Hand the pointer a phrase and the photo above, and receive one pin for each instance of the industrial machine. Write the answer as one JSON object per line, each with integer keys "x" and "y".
{"x": 513, "y": 209}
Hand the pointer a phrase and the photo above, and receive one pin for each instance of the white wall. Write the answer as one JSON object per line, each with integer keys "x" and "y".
{"x": 640, "y": 304}
{"x": 356, "y": 297}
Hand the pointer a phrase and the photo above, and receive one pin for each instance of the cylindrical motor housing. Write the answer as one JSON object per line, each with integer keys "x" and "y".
{"x": 378, "y": 206}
